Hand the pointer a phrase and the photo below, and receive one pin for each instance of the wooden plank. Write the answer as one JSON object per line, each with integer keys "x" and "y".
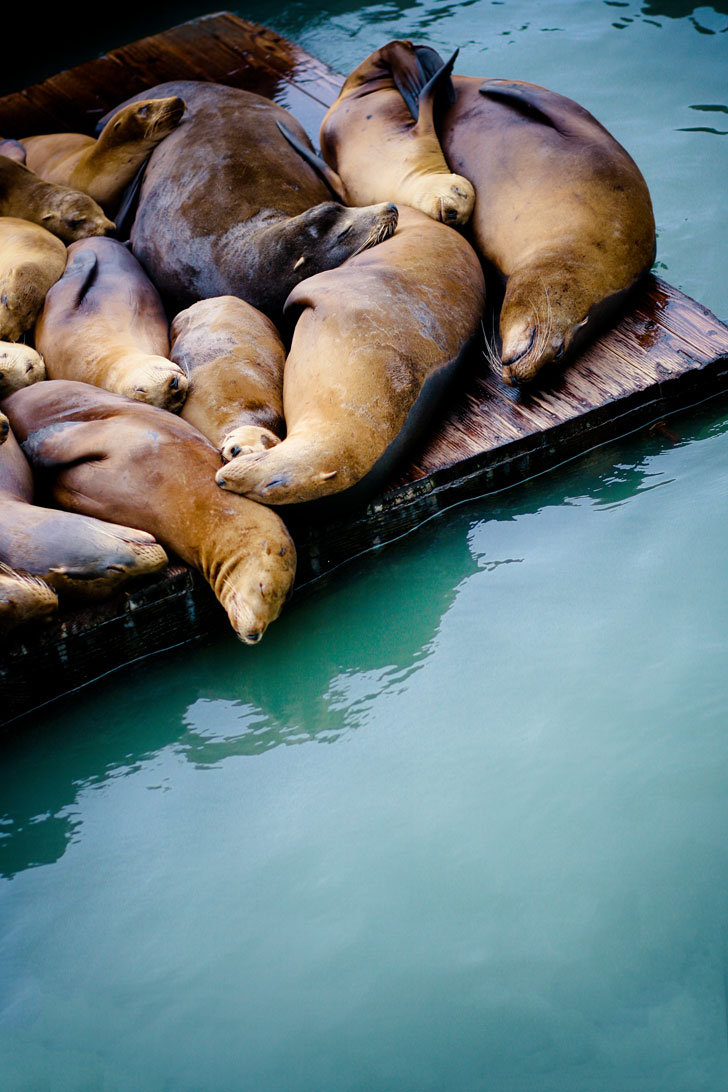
{"x": 667, "y": 352}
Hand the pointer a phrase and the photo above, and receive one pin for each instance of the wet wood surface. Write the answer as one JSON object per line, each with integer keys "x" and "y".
{"x": 667, "y": 352}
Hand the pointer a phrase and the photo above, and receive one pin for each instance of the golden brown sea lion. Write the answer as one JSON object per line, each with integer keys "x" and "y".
{"x": 23, "y": 598}
{"x": 226, "y": 206}
{"x": 31, "y": 260}
{"x": 110, "y": 457}
{"x": 372, "y": 350}
{"x": 234, "y": 358}
{"x": 104, "y": 167}
{"x": 19, "y": 367}
{"x": 104, "y": 323}
{"x": 64, "y": 212}
{"x": 379, "y": 135}
{"x": 562, "y": 212}
{"x": 73, "y": 554}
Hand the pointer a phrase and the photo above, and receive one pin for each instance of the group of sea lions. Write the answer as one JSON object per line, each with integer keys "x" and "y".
{"x": 300, "y": 317}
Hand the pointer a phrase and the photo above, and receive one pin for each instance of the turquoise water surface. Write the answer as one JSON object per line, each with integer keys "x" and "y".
{"x": 459, "y": 822}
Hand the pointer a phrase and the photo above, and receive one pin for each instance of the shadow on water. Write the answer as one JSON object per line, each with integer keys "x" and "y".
{"x": 368, "y": 628}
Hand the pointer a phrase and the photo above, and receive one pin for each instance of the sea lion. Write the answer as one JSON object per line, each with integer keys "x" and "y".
{"x": 4, "y": 428}
{"x": 113, "y": 458}
{"x": 64, "y": 212}
{"x": 373, "y": 347}
{"x": 20, "y": 365}
{"x": 13, "y": 149}
{"x": 562, "y": 213}
{"x": 31, "y": 260}
{"x": 379, "y": 135}
{"x": 104, "y": 323}
{"x": 227, "y": 207}
{"x": 23, "y": 598}
{"x": 73, "y": 554}
{"x": 104, "y": 167}
{"x": 234, "y": 358}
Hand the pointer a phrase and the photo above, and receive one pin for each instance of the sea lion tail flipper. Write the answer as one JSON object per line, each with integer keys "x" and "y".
{"x": 330, "y": 177}
{"x": 527, "y": 100}
{"x": 439, "y": 84}
{"x": 80, "y": 273}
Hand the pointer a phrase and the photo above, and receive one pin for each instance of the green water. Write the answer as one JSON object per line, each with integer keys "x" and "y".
{"x": 459, "y": 822}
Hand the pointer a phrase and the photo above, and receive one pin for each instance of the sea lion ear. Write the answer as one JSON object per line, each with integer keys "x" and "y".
{"x": 413, "y": 68}
{"x": 330, "y": 177}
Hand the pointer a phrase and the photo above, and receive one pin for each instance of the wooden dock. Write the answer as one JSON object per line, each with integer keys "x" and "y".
{"x": 668, "y": 352}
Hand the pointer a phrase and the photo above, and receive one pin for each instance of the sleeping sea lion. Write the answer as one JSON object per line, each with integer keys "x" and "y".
{"x": 104, "y": 167}
{"x": 562, "y": 212}
{"x": 31, "y": 260}
{"x": 104, "y": 323}
{"x": 376, "y": 342}
{"x": 23, "y": 598}
{"x": 73, "y": 554}
{"x": 113, "y": 458}
{"x": 234, "y": 358}
{"x": 227, "y": 207}
{"x": 19, "y": 367}
{"x": 379, "y": 135}
{"x": 64, "y": 212}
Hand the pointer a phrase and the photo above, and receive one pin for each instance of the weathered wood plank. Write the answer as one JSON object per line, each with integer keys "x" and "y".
{"x": 667, "y": 352}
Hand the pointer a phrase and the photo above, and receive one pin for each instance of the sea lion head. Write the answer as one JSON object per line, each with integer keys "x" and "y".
{"x": 147, "y": 120}
{"x": 546, "y": 314}
{"x": 326, "y": 235}
{"x": 449, "y": 198}
{"x": 22, "y": 598}
{"x": 73, "y": 215}
{"x": 152, "y": 379}
{"x": 19, "y": 367}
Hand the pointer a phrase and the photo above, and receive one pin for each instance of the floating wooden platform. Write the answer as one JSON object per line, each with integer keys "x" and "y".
{"x": 668, "y": 352}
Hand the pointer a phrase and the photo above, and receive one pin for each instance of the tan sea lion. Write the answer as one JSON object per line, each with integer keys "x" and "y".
{"x": 104, "y": 323}
{"x": 23, "y": 598}
{"x": 376, "y": 341}
{"x": 379, "y": 135}
{"x": 64, "y": 212}
{"x": 31, "y": 260}
{"x": 110, "y": 457}
{"x": 227, "y": 207}
{"x": 104, "y": 167}
{"x": 73, "y": 554}
{"x": 234, "y": 358}
{"x": 13, "y": 149}
{"x": 4, "y": 428}
{"x": 20, "y": 365}
{"x": 562, "y": 212}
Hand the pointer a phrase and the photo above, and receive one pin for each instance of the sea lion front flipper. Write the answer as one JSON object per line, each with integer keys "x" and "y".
{"x": 64, "y": 443}
{"x": 412, "y": 67}
{"x": 438, "y": 85}
{"x": 530, "y": 101}
{"x": 80, "y": 274}
{"x": 127, "y": 208}
{"x": 330, "y": 177}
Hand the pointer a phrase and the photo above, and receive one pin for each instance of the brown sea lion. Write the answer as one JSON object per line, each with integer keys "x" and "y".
{"x": 31, "y": 260}
{"x": 4, "y": 428}
{"x": 104, "y": 167}
{"x": 226, "y": 206}
{"x": 64, "y": 212}
{"x": 23, "y": 598}
{"x": 234, "y": 358}
{"x": 110, "y": 457}
{"x": 19, "y": 367}
{"x": 376, "y": 341}
{"x": 104, "y": 323}
{"x": 73, "y": 554}
{"x": 562, "y": 212}
{"x": 379, "y": 135}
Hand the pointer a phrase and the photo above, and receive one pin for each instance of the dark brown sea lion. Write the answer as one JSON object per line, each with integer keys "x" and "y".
{"x": 110, "y": 457}
{"x": 31, "y": 260}
{"x": 104, "y": 323}
{"x": 234, "y": 358}
{"x": 376, "y": 341}
{"x": 228, "y": 207}
{"x": 379, "y": 135}
{"x": 20, "y": 365}
{"x": 562, "y": 212}
{"x": 64, "y": 212}
{"x": 23, "y": 598}
{"x": 73, "y": 554}
{"x": 104, "y": 167}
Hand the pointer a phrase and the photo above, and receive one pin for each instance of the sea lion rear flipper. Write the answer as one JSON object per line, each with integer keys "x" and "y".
{"x": 528, "y": 100}
{"x": 65, "y": 443}
{"x": 329, "y": 175}
{"x": 439, "y": 84}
